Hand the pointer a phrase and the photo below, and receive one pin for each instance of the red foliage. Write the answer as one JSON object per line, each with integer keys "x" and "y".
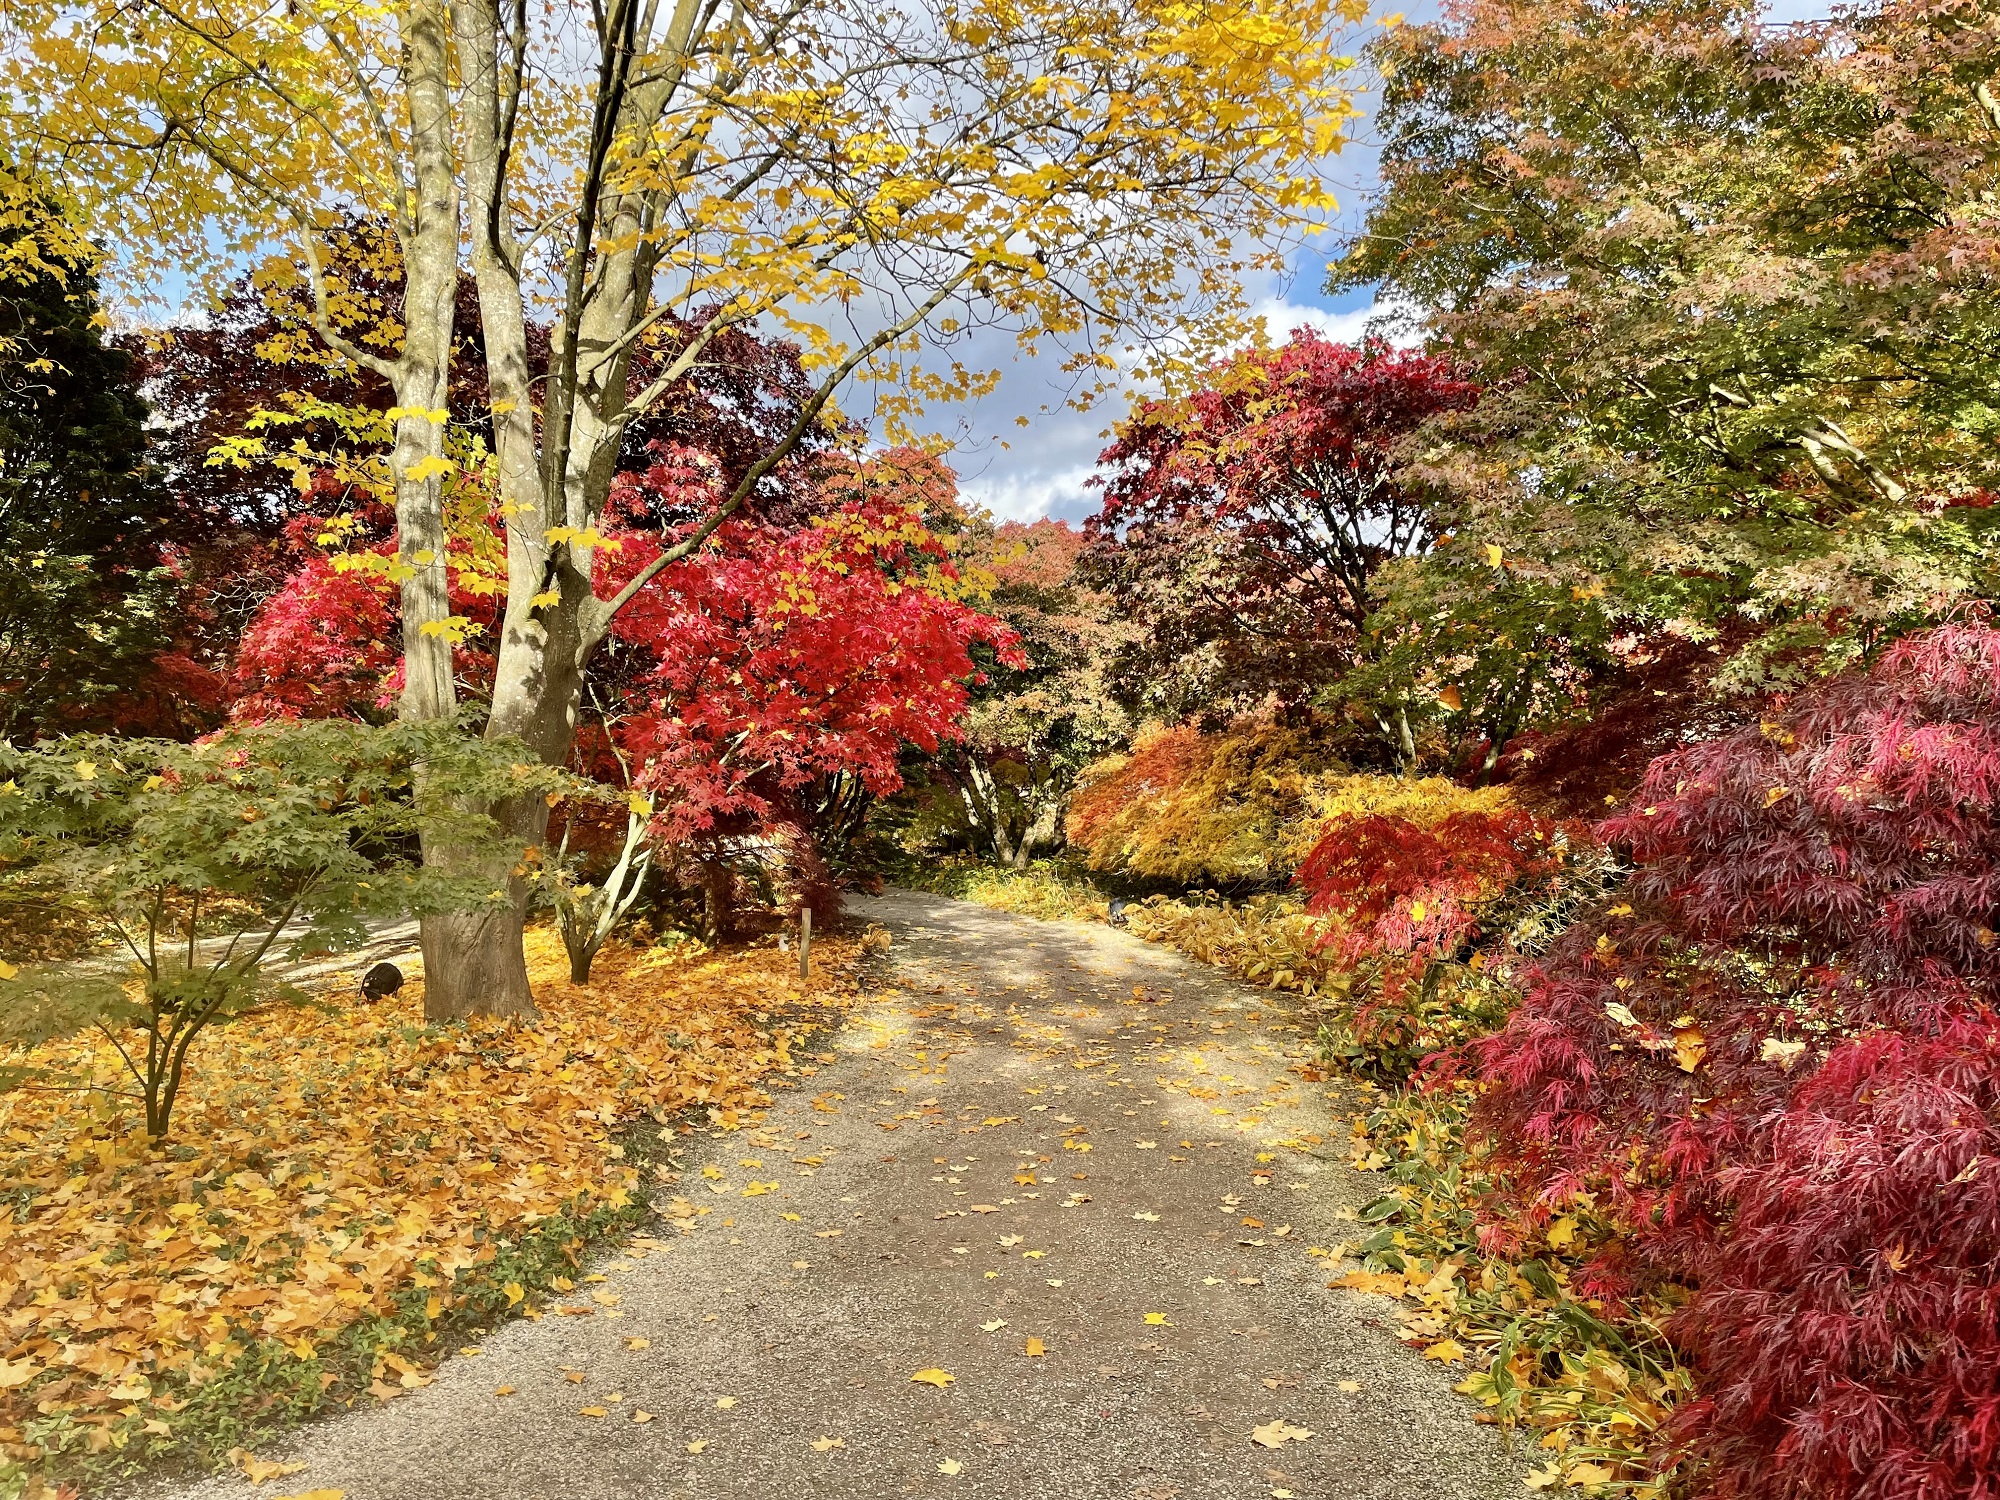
{"x": 1781, "y": 1057}
{"x": 784, "y": 657}
{"x": 323, "y": 646}
{"x": 1247, "y": 522}
{"x": 1395, "y": 886}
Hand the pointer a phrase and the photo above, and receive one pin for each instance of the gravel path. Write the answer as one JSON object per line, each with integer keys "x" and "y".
{"x": 1038, "y": 1136}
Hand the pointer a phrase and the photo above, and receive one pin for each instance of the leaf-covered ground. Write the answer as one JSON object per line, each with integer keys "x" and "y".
{"x": 346, "y": 1192}
{"x": 1060, "y": 1220}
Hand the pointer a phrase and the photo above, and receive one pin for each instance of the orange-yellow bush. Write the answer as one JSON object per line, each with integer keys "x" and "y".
{"x": 1245, "y": 804}
{"x": 1199, "y": 808}
{"x": 327, "y": 1163}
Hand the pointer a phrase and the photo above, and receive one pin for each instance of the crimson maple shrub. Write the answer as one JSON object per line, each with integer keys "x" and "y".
{"x": 1409, "y": 897}
{"x": 1779, "y": 1057}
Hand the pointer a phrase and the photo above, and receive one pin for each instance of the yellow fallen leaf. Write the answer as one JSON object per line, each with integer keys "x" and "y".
{"x": 1448, "y": 1351}
{"x": 993, "y": 1326}
{"x": 17, "y": 1372}
{"x": 1278, "y": 1432}
{"x": 950, "y": 1466}
{"x": 256, "y": 1469}
{"x": 1592, "y": 1473}
{"x": 1036, "y": 1349}
{"x": 938, "y": 1378}
{"x": 698, "y": 1445}
{"x": 514, "y": 1292}
{"x": 1156, "y": 1320}
{"x": 1349, "y": 1386}
{"x": 503, "y": 1390}
{"x": 723, "y": 1403}
{"x": 590, "y": 1411}
{"x": 638, "y": 1343}
{"x": 639, "y": 1415}
{"x": 7, "y": 970}
{"x": 828, "y": 1444}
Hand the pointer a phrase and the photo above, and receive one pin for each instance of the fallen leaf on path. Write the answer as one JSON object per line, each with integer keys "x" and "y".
{"x": 938, "y": 1378}
{"x": 641, "y": 1415}
{"x": 950, "y": 1466}
{"x": 638, "y": 1343}
{"x": 503, "y": 1390}
{"x": 1350, "y": 1386}
{"x": 993, "y": 1327}
{"x": 723, "y": 1403}
{"x": 1009, "y": 1241}
{"x": 574, "y": 1377}
{"x": 1449, "y": 1351}
{"x": 985, "y": 1208}
{"x": 1036, "y": 1349}
{"x": 698, "y": 1445}
{"x": 1277, "y": 1433}
{"x": 1147, "y": 1218}
{"x": 256, "y": 1469}
{"x": 590, "y": 1411}
{"x": 828, "y": 1444}
{"x": 1156, "y": 1320}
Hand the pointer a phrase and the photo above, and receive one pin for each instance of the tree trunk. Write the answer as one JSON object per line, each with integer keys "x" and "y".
{"x": 472, "y": 959}
{"x": 474, "y": 962}
{"x": 1041, "y": 828}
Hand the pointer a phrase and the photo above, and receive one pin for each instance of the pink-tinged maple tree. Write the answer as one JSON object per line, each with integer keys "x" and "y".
{"x": 1245, "y": 525}
{"x": 1779, "y": 1056}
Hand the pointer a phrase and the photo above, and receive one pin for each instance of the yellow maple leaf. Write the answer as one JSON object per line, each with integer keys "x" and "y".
{"x": 1277, "y": 1433}
{"x": 1446, "y": 1351}
{"x": 936, "y": 1377}
{"x": 1035, "y": 1349}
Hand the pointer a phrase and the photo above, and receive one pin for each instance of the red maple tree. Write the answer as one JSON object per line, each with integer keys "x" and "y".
{"x": 1779, "y": 1055}
{"x": 1244, "y": 526}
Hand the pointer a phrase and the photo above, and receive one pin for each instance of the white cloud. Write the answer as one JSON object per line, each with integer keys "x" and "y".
{"x": 1346, "y": 327}
{"x": 1030, "y": 495}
